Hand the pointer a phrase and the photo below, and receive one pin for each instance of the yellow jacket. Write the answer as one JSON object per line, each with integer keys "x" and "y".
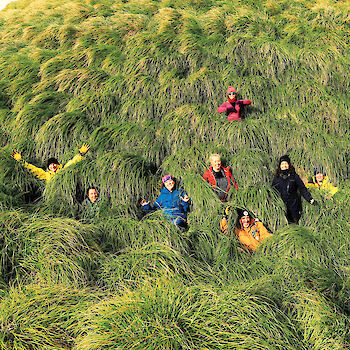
{"x": 246, "y": 235}
{"x": 326, "y": 185}
{"x": 47, "y": 175}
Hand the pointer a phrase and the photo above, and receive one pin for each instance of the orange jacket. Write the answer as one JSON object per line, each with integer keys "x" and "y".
{"x": 246, "y": 235}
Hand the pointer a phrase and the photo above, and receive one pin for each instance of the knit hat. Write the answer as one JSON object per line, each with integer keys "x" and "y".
{"x": 242, "y": 212}
{"x": 231, "y": 89}
{"x": 319, "y": 169}
{"x": 52, "y": 160}
{"x": 166, "y": 178}
{"x": 284, "y": 158}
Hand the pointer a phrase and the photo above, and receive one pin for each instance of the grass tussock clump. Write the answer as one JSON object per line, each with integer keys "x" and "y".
{"x": 140, "y": 82}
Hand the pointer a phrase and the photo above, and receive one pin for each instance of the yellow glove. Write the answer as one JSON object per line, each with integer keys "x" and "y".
{"x": 84, "y": 148}
{"x": 224, "y": 226}
{"x": 16, "y": 155}
{"x": 227, "y": 210}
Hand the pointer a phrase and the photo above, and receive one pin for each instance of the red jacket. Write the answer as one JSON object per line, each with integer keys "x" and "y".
{"x": 232, "y": 109}
{"x": 209, "y": 177}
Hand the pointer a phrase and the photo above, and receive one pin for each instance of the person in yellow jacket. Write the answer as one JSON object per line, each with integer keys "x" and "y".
{"x": 250, "y": 231}
{"x": 53, "y": 165}
{"x": 321, "y": 182}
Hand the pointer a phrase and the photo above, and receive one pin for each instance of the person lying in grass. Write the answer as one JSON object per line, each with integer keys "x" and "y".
{"x": 232, "y": 106}
{"x": 320, "y": 181}
{"x": 219, "y": 177}
{"x": 249, "y": 231}
{"x": 290, "y": 187}
{"x": 53, "y": 165}
{"x": 91, "y": 204}
{"x": 174, "y": 203}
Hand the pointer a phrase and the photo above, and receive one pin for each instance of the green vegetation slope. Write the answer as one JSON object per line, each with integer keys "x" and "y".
{"x": 141, "y": 81}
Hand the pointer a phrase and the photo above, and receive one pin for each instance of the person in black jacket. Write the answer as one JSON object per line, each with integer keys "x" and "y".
{"x": 290, "y": 187}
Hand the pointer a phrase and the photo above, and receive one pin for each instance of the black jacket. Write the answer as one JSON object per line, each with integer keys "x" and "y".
{"x": 291, "y": 187}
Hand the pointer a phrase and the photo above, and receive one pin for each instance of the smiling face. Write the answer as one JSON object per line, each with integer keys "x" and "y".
{"x": 93, "y": 195}
{"x": 169, "y": 185}
{"x": 53, "y": 167}
{"x": 284, "y": 165}
{"x": 319, "y": 177}
{"x": 215, "y": 162}
{"x": 245, "y": 220}
{"x": 232, "y": 97}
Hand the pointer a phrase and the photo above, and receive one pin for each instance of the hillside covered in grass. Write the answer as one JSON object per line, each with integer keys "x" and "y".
{"x": 140, "y": 81}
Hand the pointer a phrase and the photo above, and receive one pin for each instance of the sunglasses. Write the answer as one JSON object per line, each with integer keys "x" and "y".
{"x": 232, "y": 93}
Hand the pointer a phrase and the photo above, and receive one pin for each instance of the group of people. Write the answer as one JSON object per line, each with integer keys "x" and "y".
{"x": 175, "y": 202}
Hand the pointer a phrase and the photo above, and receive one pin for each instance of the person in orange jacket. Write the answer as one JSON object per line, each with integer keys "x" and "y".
{"x": 250, "y": 231}
{"x": 53, "y": 165}
{"x": 233, "y": 106}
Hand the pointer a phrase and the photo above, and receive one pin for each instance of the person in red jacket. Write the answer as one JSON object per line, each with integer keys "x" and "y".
{"x": 219, "y": 177}
{"x": 233, "y": 106}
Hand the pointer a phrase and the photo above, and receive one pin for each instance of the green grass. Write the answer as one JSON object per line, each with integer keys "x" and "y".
{"x": 140, "y": 81}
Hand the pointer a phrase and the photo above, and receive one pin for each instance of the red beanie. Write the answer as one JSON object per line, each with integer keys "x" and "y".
{"x": 231, "y": 89}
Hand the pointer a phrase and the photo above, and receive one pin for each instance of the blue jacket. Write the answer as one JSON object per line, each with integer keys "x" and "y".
{"x": 171, "y": 204}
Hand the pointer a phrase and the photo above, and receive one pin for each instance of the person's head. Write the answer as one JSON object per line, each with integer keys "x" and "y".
{"x": 284, "y": 162}
{"x": 52, "y": 164}
{"x": 319, "y": 174}
{"x": 215, "y": 162}
{"x": 244, "y": 218}
{"x": 168, "y": 182}
{"x": 92, "y": 194}
{"x": 231, "y": 94}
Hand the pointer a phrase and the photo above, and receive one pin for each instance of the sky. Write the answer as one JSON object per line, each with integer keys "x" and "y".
{"x": 3, "y": 3}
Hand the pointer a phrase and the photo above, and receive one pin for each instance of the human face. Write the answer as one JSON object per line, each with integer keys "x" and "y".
{"x": 93, "y": 195}
{"x": 169, "y": 185}
{"x": 232, "y": 96}
{"x": 284, "y": 165}
{"x": 319, "y": 177}
{"x": 216, "y": 163}
{"x": 245, "y": 221}
{"x": 53, "y": 167}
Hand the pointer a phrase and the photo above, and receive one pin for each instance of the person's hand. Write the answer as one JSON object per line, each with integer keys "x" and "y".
{"x": 185, "y": 198}
{"x": 313, "y": 202}
{"x": 143, "y": 202}
{"x": 16, "y": 155}
{"x": 84, "y": 148}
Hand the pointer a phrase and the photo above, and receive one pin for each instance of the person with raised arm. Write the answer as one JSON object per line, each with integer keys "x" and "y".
{"x": 173, "y": 202}
{"x": 250, "y": 232}
{"x": 53, "y": 165}
{"x": 233, "y": 106}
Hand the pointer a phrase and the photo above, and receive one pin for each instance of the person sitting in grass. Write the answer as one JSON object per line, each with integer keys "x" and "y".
{"x": 219, "y": 177}
{"x": 91, "y": 204}
{"x": 174, "y": 203}
{"x": 250, "y": 232}
{"x": 53, "y": 165}
{"x": 232, "y": 106}
{"x": 321, "y": 182}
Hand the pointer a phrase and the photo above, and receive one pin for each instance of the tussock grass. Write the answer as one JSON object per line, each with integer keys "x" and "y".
{"x": 140, "y": 81}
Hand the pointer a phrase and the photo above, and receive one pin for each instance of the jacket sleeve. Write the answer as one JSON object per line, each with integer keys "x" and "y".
{"x": 185, "y": 205}
{"x": 332, "y": 189}
{"x": 303, "y": 190}
{"x": 222, "y": 108}
{"x": 77, "y": 158}
{"x": 37, "y": 172}
{"x": 262, "y": 230}
{"x": 205, "y": 176}
{"x": 247, "y": 102}
{"x": 274, "y": 184}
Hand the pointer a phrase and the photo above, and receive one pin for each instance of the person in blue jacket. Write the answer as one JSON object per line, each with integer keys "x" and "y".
{"x": 174, "y": 203}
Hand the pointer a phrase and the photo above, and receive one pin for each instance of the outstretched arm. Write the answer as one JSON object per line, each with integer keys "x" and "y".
{"x": 224, "y": 107}
{"x": 303, "y": 190}
{"x": 37, "y": 172}
{"x": 77, "y": 158}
